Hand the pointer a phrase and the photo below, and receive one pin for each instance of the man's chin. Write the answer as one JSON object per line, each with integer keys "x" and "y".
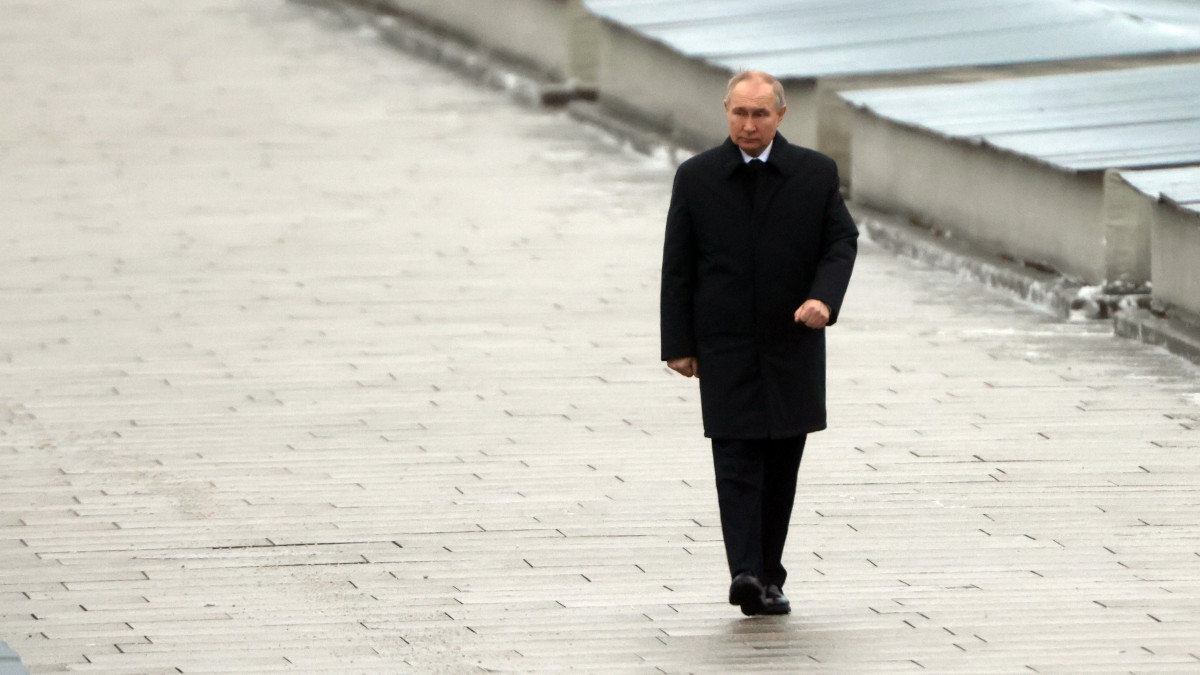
{"x": 752, "y": 149}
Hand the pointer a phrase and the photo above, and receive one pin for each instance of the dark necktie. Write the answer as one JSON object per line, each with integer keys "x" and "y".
{"x": 755, "y": 169}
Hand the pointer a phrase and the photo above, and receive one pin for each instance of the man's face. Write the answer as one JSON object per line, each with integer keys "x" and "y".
{"x": 753, "y": 117}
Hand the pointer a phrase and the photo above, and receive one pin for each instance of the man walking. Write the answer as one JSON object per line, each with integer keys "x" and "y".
{"x": 758, "y": 252}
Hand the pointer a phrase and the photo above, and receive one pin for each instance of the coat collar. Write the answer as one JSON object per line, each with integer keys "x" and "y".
{"x": 784, "y": 156}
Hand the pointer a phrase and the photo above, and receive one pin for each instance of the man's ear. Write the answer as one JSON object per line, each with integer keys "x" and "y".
{"x": 782, "y": 112}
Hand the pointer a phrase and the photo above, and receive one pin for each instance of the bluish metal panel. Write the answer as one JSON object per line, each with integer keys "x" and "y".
{"x": 1140, "y": 117}
{"x": 1181, "y": 185}
{"x": 1129, "y": 145}
{"x": 1178, "y": 12}
{"x": 814, "y": 38}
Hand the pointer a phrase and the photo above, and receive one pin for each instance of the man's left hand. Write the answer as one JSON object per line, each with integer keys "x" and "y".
{"x": 813, "y": 313}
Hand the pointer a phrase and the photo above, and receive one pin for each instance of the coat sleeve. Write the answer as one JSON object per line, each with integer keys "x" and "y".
{"x": 839, "y": 246}
{"x": 678, "y": 278}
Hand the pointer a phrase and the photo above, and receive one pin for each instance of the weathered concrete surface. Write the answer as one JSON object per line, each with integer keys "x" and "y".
{"x": 1176, "y": 334}
{"x": 1176, "y": 246}
{"x": 1162, "y": 203}
{"x": 319, "y": 359}
{"x": 1127, "y": 217}
{"x": 967, "y": 189}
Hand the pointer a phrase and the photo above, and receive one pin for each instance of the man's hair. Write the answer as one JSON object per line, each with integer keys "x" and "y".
{"x": 743, "y": 75}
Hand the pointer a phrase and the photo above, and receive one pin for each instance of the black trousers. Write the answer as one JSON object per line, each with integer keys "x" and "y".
{"x": 756, "y": 486}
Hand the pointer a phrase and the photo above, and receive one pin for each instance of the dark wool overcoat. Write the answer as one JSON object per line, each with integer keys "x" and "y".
{"x": 741, "y": 254}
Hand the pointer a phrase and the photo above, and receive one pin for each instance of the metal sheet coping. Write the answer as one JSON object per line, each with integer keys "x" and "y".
{"x": 1133, "y": 118}
{"x": 1179, "y": 12}
{"x": 1180, "y": 186}
{"x": 817, "y": 38}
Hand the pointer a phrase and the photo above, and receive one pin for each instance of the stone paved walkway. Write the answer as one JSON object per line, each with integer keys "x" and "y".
{"x": 319, "y": 359}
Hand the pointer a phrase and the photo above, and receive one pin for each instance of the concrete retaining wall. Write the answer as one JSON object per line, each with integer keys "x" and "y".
{"x": 1127, "y": 218}
{"x": 1175, "y": 254}
{"x": 681, "y": 97}
{"x": 554, "y": 37}
{"x": 967, "y": 190}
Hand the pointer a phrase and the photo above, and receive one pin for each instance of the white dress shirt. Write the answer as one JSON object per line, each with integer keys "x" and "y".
{"x": 762, "y": 155}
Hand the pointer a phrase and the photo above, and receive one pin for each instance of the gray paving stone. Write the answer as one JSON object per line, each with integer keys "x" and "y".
{"x": 321, "y": 354}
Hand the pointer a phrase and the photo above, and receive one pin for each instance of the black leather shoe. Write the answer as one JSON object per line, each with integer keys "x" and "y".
{"x": 747, "y": 592}
{"x": 774, "y": 601}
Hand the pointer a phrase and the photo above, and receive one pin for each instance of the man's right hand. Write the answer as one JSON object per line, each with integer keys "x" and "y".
{"x": 686, "y": 366}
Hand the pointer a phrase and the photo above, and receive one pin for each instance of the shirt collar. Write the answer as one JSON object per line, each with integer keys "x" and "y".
{"x": 762, "y": 155}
